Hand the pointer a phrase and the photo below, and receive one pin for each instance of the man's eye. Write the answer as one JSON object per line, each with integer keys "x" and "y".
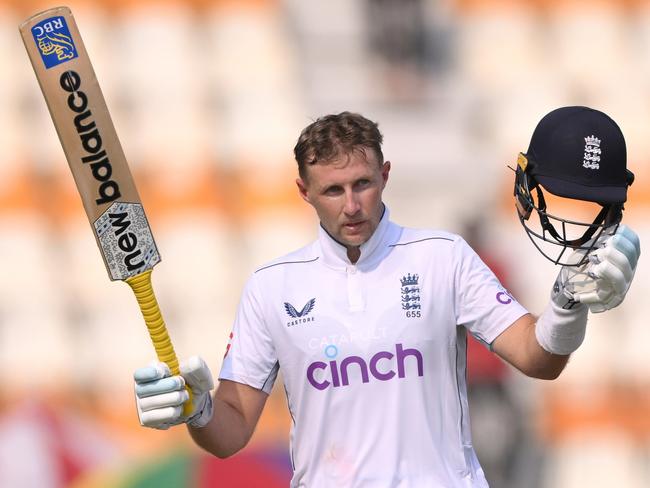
{"x": 363, "y": 183}
{"x": 333, "y": 190}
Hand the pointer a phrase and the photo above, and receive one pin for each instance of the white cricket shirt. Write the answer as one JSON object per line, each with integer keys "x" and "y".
{"x": 373, "y": 355}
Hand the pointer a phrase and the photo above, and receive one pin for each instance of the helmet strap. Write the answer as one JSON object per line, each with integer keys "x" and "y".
{"x": 548, "y": 227}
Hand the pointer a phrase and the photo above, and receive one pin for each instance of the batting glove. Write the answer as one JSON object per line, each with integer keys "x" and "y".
{"x": 160, "y": 396}
{"x": 603, "y": 281}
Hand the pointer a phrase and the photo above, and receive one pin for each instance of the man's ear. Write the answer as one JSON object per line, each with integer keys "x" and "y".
{"x": 302, "y": 189}
{"x": 385, "y": 169}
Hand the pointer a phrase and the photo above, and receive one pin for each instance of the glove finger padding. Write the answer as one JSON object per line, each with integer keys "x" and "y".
{"x": 171, "y": 399}
{"x": 156, "y": 370}
{"x": 161, "y": 418}
{"x": 158, "y": 387}
{"x": 625, "y": 233}
{"x": 599, "y": 293}
{"x": 617, "y": 275}
{"x": 197, "y": 374}
{"x": 603, "y": 282}
{"x": 199, "y": 379}
{"x": 627, "y": 242}
{"x": 160, "y": 396}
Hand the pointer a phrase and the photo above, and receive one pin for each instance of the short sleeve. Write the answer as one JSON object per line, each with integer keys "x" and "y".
{"x": 482, "y": 304}
{"x": 251, "y": 358}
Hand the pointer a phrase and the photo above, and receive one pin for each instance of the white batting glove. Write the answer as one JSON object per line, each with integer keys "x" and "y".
{"x": 160, "y": 396}
{"x": 603, "y": 281}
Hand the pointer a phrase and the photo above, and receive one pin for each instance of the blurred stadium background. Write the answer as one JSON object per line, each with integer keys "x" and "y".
{"x": 208, "y": 98}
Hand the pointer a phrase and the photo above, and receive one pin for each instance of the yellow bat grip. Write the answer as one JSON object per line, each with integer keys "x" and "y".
{"x": 141, "y": 286}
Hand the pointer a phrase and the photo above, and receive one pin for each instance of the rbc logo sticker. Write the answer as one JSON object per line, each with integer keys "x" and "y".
{"x": 54, "y": 41}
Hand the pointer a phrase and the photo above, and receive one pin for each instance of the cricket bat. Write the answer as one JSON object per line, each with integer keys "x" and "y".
{"x": 98, "y": 164}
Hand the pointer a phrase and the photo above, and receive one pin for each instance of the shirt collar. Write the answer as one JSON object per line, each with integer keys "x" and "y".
{"x": 335, "y": 254}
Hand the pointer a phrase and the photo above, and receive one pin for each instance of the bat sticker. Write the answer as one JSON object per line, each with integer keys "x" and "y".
{"x": 126, "y": 240}
{"x": 54, "y": 41}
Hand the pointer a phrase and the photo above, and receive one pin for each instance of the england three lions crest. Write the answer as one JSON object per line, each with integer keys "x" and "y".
{"x": 592, "y": 153}
{"x": 411, "y": 295}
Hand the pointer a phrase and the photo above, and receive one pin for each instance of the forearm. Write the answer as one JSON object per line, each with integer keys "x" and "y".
{"x": 225, "y": 434}
{"x": 541, "y": 363}
{"x": 518, "y": 345}
{"x": 237, "y": 408}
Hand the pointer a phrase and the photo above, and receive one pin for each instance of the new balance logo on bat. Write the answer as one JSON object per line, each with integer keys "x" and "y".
{"x": 91, "y": 140}
{"x": 127, "y": 241}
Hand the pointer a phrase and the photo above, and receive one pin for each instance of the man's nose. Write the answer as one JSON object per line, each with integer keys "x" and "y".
{"x": 352, "y": 204}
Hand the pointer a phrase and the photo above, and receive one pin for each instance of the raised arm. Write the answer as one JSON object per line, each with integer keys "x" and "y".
{"x": 518, "y": 346}
{"x": 541, "y": 347}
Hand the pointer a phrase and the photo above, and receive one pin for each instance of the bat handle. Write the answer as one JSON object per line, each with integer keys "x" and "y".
{"x": 141, "y": 286}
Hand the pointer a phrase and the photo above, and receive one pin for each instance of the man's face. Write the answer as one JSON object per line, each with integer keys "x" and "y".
{"x": 346, "y": 194}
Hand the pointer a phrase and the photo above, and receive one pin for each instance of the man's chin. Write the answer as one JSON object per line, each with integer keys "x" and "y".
{"x": 354, "y": 241}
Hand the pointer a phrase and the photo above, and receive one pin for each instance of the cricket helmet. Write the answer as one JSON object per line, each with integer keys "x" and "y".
{"x": 576, "y": 153}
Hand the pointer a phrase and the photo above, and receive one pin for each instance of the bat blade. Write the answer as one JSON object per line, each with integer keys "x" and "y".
{"x": 90, "y": 142}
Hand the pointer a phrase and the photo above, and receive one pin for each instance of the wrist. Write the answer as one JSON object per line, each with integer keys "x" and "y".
{"x": 561, "y": 328}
